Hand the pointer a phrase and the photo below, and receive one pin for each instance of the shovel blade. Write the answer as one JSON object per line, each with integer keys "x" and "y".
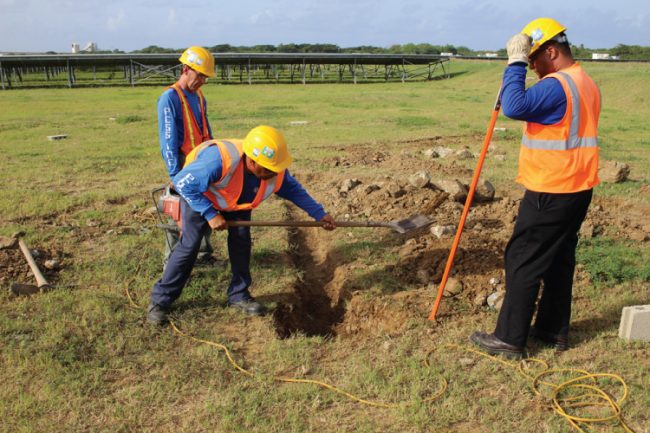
{"x": 410, "y": 224}
{"x": 24, "y": 289}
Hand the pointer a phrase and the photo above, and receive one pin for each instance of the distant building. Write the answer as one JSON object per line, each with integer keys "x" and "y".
{"x": 447, "y": 54}
{"x": 491, "y": 55}
{"x": 75, "y": 48}
{"x": 600, "y": 56}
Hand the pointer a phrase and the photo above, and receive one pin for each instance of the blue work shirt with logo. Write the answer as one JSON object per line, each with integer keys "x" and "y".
{"x": 171, "y": 128}
{"x": 195, "y": 179}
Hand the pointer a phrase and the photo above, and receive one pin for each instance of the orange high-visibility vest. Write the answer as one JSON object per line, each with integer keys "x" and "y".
{"x": 563, "y": 157}
{"x": 192, "y": 134}
{"x": 225, "y": 192}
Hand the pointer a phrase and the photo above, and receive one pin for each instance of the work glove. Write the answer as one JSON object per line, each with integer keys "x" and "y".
{"x": 518, "y": 48}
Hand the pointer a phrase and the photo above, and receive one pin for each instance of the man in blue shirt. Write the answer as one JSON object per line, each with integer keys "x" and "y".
{"x": 223, "y": 180}
{"x": 558, "y": 166}
{"x": 183, "y": 125}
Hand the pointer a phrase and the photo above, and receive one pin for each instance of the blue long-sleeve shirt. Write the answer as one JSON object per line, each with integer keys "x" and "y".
{"x": 544, "y": 102}
{"x": 195, "y": 179}
{"x": 171, "y": 128}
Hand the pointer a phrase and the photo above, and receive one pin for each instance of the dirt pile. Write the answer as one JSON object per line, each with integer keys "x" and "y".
{"x": 349, "y": 295}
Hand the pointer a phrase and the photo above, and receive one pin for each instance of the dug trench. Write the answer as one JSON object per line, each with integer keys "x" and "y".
{"x": 364, "y": 282}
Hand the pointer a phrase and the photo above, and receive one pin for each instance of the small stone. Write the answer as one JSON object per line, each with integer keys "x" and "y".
{"x": 423, "y": 276}
{"x": 494, "y": 281}
{"x": 495, "y": 300}
{"x": 485, "y": 191}
{"x": 349, "y": 184}
{"x": 464, "y": 154}
{"x": 479, "y": 299}
{"x": 613, "y": 171}
{"x": 453, "y": 287}
{"x": 52, "y": 264}
{"x": 372, "y": 188}
{"x": 394, "y": 190}
{"x": 499, "y": 157}
{"x": 442, "y": 231}
{"x": 457, "y": 191}
{"x": 420, "y": 179}
{"x": 431, "y": 154}
{"x": 443, "y": 152}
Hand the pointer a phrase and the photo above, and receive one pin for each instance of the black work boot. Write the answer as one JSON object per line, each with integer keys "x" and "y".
{"x": 559, "y": 342}
{"x": 249, "y": 306}
{"x": 492, "y": 345}
{"x": 157, "y": 315}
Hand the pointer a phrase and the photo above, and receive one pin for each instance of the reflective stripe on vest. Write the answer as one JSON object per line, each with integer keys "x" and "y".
{"x": 192, "y": 134}
{"x": 573, "y": 141}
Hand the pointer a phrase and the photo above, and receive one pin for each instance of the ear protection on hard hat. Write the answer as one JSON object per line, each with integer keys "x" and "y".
{"x": 543, "y": 30}
{"x": 266, "y": 146}
{"x": 199, "y": 59}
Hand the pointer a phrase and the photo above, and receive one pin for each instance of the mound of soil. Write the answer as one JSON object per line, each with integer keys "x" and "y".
{"x": 343, "y": 294}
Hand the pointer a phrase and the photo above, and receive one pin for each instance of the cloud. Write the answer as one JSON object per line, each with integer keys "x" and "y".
{"x": 115, "y": 22}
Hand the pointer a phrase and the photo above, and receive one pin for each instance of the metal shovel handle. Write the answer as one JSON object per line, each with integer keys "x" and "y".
{"x": 306, "y": 224}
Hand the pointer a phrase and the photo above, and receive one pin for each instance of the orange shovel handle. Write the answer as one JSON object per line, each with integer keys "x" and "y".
{"x": 468, "y": 204}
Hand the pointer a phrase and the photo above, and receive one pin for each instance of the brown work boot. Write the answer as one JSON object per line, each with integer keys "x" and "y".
{"x": 492, "y": 345}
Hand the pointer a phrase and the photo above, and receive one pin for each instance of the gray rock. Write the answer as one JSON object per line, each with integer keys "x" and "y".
{"x": 394, "y": 190}
{"x": 457, "y": 191}
{"x": 372, "y": 188}
{"x": 420, "y": 179}
{"x": 494, "y": 281}
{"x": 443, "y": 152}
{"x": 464, "y": 154}
{"x": 485, "y": 191}
{"x": 495, "y": 300}
{"x": 442, "y": 231}
{"x": 431, "y": 154}
{"x": 349, "y": 184}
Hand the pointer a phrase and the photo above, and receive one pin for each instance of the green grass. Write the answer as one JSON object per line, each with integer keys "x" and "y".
{"x": 80, "y": 358}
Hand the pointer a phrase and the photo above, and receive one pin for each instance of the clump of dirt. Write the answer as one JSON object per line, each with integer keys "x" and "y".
{"x": 340, "y": 294}
{"x": 14, "y": 266}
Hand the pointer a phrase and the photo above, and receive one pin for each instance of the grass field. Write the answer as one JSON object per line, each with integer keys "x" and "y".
{"x": 81, "y": 358}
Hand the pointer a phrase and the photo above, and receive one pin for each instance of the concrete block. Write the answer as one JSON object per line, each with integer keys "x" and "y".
{"x": 635, "y": 323}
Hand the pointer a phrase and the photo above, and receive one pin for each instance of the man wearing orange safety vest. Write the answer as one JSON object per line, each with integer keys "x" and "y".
{"x": 558, "y": 165}
{"x": 224, "y": 180}
{"x": 183, "y": 123}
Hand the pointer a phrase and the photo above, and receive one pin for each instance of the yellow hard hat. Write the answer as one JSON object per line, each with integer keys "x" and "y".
{"x": 542, "y": 30}
{"x": 266, "y": 146}
{"x": 199, "y": 59}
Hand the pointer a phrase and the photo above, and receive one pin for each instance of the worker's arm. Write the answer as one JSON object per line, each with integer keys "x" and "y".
{"x": 195, "y": 179}
{"x": 544, "y": 102}
{"x": 170, "y": 132}
{"x": 294, "y": 192}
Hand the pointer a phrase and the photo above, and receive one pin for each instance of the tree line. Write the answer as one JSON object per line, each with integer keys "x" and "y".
{"x": 624, "y": 52}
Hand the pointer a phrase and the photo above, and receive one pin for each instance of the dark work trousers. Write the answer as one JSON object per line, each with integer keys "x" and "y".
{"x": 177, "y": 272}
{"x": 542, "y": 248}
{"x": 171, "y": 236}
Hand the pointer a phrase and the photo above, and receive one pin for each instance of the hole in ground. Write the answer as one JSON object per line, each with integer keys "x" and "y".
{"x": 317, "y": 306}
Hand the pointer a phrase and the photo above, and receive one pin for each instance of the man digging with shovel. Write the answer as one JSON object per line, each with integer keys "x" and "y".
{"x": 222, "y": 181}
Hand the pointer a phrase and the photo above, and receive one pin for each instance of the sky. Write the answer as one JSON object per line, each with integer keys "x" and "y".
{"x": 127, "y": 25}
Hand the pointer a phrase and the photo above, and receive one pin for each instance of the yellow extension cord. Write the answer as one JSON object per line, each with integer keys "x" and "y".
{"x": 559, "y": 405}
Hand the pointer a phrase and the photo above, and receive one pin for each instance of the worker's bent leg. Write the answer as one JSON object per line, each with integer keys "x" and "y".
{"x": 554, "y": 310}
{"x": 239, "y": 252}
{"x": 543, "y": 226}
{"x": 178, "y": 269}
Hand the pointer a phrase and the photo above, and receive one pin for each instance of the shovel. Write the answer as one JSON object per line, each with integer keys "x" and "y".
{"x": 404, "y": 226}
{"x": 29, "y": 289}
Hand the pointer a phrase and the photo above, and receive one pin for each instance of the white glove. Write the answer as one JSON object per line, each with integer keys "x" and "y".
{"x": 518, "y": 48}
